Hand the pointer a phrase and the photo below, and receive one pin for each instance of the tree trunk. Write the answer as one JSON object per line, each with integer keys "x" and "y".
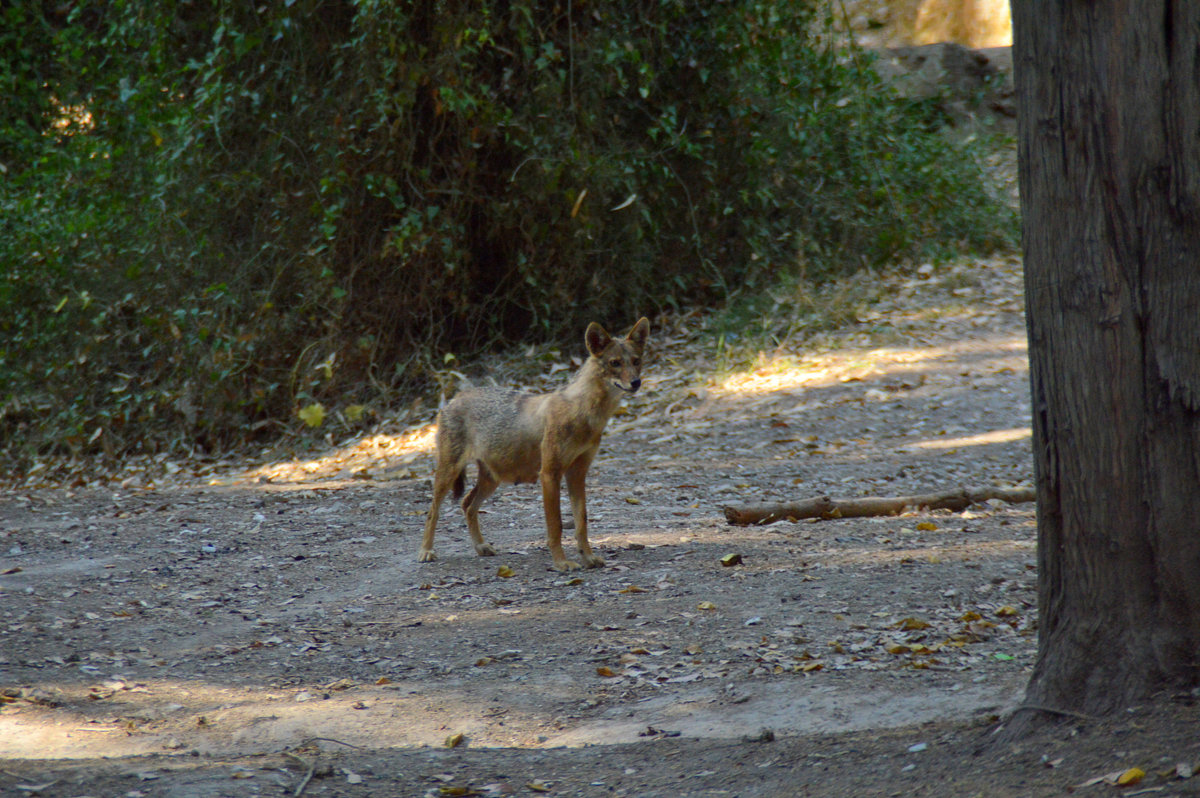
{"x": 1109, "y": 131}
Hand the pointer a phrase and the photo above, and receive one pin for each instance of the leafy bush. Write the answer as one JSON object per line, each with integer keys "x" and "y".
{"x": 216, "y": 213}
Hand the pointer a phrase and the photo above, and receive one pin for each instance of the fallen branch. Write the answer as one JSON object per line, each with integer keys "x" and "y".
{"x": 1053, "y": 711}
{"x": 311, "y": 767}
{"x": 827, "y": 508}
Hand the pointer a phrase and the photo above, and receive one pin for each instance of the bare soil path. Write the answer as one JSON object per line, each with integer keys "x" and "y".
{"x": 268, "y": 631}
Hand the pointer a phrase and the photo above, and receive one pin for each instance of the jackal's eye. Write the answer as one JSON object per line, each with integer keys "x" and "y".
{"x": 615, "y": 362}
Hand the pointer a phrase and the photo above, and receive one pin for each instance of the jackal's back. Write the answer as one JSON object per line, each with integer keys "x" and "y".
{"x": 498, "y": 428}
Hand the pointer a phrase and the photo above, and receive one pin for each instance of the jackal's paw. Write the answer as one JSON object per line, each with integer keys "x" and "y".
{"x": 484, "y": 550}
{"x": 567, "y": 565}
{"x": 426, "y": 555}
{"x": 592, "y": 561}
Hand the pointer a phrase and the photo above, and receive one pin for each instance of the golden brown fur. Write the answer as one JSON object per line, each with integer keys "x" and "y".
{"x": 514, "y": 437}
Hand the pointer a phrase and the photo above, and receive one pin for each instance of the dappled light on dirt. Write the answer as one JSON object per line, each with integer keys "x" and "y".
{"x": 379, "y": 456}
{"x": 119, "y": 718}
{"x": 60, "y": 721}
{"x": 982, "y": 439}
{"x": 783, "y": 374}
{"x": 900, "y": 550}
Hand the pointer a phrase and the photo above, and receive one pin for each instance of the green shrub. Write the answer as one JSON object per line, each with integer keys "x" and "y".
{"x": 214, "y": 214}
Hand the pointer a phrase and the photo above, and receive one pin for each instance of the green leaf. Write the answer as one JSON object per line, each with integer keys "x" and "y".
{"x": 312, "y": 415}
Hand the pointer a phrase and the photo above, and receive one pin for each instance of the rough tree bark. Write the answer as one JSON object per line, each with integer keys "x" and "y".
{"x": 1109, "y": 132}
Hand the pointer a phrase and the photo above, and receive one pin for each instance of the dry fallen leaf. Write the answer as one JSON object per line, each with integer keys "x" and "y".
{"x": 730, "y": 560}
{"x": 926, "y": 526}
{"x": 1131, "y": 776}
{"x": 912, "y": 624}
{"x": 632, "y": 589}
{"x": 605, "y": 671}
{"x": 1007, "y": 611}
{"x": 454, "y": 740}
{"x": 706, "y": 605}
{"x": 504, "y": 572}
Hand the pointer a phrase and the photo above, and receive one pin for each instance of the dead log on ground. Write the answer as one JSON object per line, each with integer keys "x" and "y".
{"x": 827, "y": 508}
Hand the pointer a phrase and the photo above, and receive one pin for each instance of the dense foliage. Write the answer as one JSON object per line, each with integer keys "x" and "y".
{"x": 214, "y": 214}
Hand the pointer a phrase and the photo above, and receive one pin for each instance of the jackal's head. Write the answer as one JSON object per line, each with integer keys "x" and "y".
{"x": 619, "y": 359}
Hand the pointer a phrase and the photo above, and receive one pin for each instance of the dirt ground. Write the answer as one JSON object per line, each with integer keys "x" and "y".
{"x": 267, "y": 630}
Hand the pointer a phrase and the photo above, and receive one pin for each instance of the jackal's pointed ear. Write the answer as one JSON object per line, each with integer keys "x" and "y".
{"x": 596, "y": 339}
{"x": 640, "y": 333}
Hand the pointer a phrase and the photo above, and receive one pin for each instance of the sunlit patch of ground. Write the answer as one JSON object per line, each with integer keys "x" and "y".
{"x": 150, "y": 716}
{"x": 782, "y": 374}
{"x": 983, "y": 439}
{"x": 373, "y": 457}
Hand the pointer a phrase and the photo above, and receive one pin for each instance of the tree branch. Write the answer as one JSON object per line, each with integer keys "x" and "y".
{"x": 826, "y": 508}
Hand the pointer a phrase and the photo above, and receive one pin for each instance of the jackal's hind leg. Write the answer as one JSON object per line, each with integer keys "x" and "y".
{"x": 443, "y": 481}
{"x": 484, "y": 488}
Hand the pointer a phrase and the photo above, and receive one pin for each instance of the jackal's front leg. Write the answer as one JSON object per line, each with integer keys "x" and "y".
{"x": 551, "y": 481}
{"x": 576, "y": 489}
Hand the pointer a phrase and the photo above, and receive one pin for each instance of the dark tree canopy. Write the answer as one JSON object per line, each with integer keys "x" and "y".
{"x": 215, "y": 214}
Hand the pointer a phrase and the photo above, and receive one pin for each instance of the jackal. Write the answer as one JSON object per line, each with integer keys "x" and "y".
{"x": 516, "y": 437}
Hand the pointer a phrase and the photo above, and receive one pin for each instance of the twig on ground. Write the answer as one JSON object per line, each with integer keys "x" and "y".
{"x": 823, "y": 507}
{"x": 332, "y": 740}
{"x": 310, "y": 768}
{"x": 1053, "y": 711}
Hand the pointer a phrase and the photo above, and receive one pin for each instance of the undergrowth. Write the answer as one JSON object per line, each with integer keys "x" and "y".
{"x": 223, "y": 222}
